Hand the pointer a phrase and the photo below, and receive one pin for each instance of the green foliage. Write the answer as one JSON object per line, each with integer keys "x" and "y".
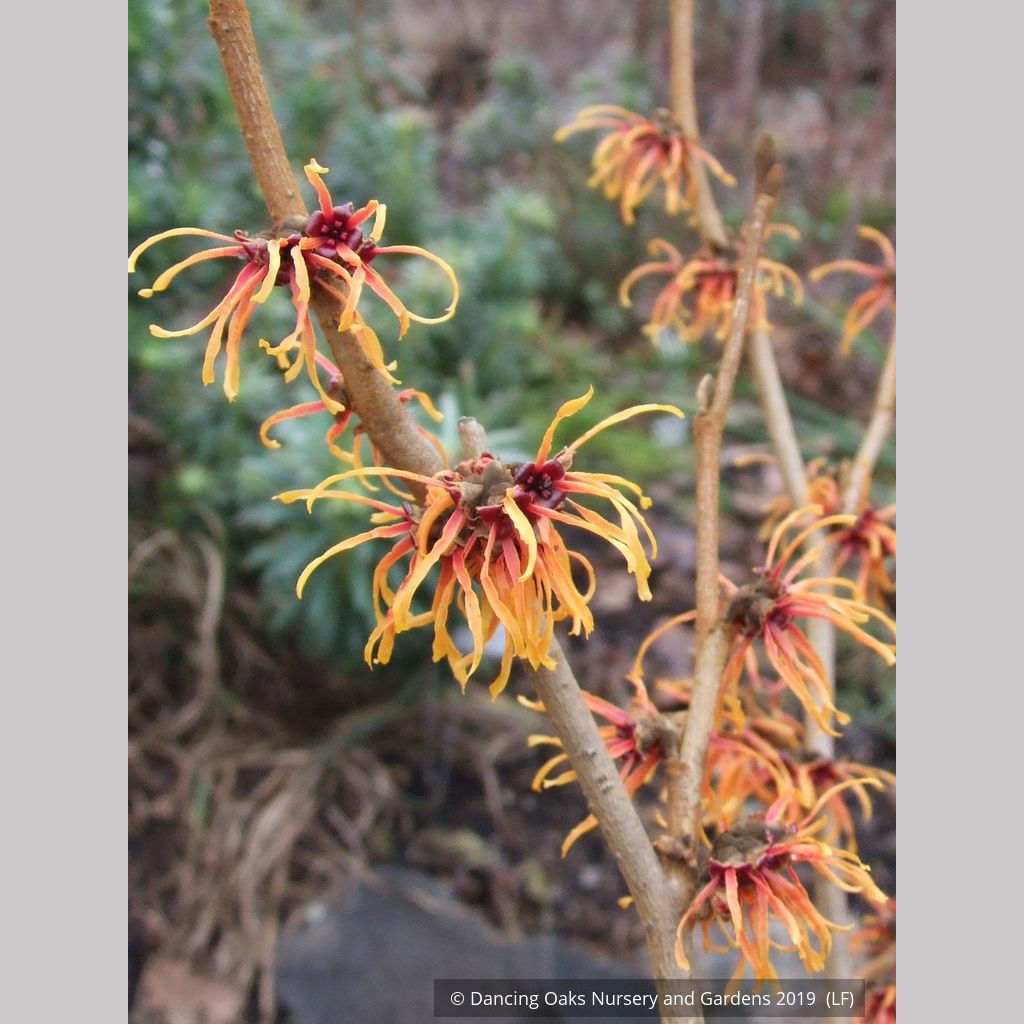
{"x": 510, "y": 130}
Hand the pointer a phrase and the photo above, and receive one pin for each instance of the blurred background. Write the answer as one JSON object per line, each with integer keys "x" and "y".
{"x": 292, "y": 815}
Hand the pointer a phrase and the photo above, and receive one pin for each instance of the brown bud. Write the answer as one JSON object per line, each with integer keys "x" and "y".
{"x": 772, "y": 183}
{"x": 765, "y": 161}
{"x": 705, "y": 391}
{"x": 473, "y": 437}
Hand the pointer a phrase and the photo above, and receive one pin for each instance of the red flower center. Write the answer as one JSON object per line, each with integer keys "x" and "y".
{"x": 540, "y": 483}
{"x": 717, "y": 284}
{"x": 333, "y": 229}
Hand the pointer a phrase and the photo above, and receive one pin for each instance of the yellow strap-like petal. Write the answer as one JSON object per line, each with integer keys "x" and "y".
{"x": 626, "y": 414}
{"x": 567, "y": 409}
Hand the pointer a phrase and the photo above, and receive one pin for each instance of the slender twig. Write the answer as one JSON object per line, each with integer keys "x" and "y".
{"x": 686, "y": 772}
{"x": 390, "y": 429}
{"x": 782, "y": 434}
{"x": 777, "y": 418}
{"x": 372, "y": 398}
{"x": 684, "y": 108}
{"x": 875, "y": 436}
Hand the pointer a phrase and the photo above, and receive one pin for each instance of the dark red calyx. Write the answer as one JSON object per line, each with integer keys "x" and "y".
{"x": 333, "y": 229}
{"x": 540, "y": 483}
{"x": 257, "y": 252}
{"x": 492, "y": 515}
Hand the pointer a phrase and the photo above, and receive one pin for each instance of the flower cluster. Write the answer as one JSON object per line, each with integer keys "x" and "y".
{"x": 768, "y": 609}
{"x": 329, "y": 251}
{"x": 709, "y": 280}
{"x": 491, "y": 529}
{"x": 482, "y": 541}
{"x": 639, "y": 152}
{"x": 633, "y": 736}
{"x": 868, "y": 545}
{"x": 881, "y": 295}
{"x": 750, "y": 876}
{"x": 757, "y": 753}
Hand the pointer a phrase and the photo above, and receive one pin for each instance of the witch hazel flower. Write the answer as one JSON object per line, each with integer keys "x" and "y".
{"x": 493, "y": 531}
{"x": 880, "y": 296}
{"x": 876, "y": 941}
{"x": 869, "y": 545}
{"x": 269, "y": 262}
{"x": 750, "y": 877}
{"x": 708, "y": 281}
{"x": 812, "y": 780}
{"x": 765, "y": 761}
{"x": 633, "y": 736}
{"x": 328, "y": 251}
{"x": 865, "y": 549}
{"x": 769, "y": 609}
{"x": 641, "y": 152}
{"x": 341, "y": 249}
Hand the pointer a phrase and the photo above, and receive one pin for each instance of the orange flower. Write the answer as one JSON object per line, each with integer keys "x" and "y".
{"x": 269, "y": 261}
{"x": 749, "y": 764}
{"x": 869, "y": 543}
{"x": 711, "y": 277}
{"x": 750, "y": 876}
{"x": 638, "y": 153}
{"x": 492, "y": 531}
{"x": 342, "y": 420}
{"x": 877, "y": 941}
{"x": 744, "y": 759}
{"x": 770, "y": 607}
{"x": 298, "y": 255}
{"x": 815, "y": 780}
{"x": 879, "y": 296}
{"x": 631, "y": 735}
{"x": 880, "y": 1004}
{"x": 822, "y": 490}
{"x": 342, "y": 249}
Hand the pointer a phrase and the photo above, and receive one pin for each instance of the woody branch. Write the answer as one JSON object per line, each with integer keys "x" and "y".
{"x": 389, "y": 427}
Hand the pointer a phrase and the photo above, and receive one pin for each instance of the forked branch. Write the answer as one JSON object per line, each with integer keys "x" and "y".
{"x": 686, "y": 771}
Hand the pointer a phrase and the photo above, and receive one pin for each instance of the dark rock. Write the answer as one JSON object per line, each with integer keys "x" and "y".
{"x": 372, "y": 956}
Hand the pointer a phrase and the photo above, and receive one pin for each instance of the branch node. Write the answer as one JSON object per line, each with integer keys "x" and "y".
{"x": 680, "y": 849}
